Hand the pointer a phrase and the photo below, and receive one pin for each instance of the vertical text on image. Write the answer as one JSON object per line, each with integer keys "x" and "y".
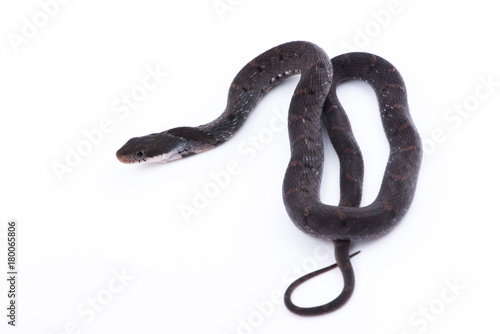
{"x": 12, "y": 292}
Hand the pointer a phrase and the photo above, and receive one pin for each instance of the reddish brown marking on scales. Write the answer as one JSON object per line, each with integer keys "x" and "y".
{"x": 348, "y": 150}
{"x": 341, "y": 215}
{"x": 337, "y": 128}
{"x": 343, "y": 58}
{"x": 387, "y": 206}
{"x": 306, "y": 210}
{"x": 296, "y": 118}
{"x": 315, "y": 64}
{"x": 332, "y": 108}
{"x": 374, "y": 61}
{"x": 404, "y": 126}
{"x": 291, "y": 191}
{"x": 296, "y": 163}
{"x": 409, "y": 148}
{"x": 300, "y": 92}
{"x": 399, "y": 177}
{"x": 397, "y": 106}
{"x": 350, "y": 177}
{"x": 299, "y": 138}
{"x": 397, "y": 86}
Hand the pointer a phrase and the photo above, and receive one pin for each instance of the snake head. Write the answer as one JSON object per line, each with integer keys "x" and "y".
{"x": 165, "y": 146}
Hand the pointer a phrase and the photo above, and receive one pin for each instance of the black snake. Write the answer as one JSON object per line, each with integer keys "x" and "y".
{"x": 314, "y": 99}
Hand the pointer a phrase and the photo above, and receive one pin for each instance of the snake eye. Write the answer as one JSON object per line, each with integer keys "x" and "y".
{"x": 139, "y": 155}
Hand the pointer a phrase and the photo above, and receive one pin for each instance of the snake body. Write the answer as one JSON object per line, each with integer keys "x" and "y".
{"x": 314, "y": 100}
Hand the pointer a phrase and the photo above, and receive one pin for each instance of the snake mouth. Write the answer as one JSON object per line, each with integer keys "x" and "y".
{"x": 137, "y": 157}
{"x": 126, "y": 159}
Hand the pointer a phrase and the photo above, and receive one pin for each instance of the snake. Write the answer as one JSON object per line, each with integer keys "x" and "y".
{"x": 314, "y": 102}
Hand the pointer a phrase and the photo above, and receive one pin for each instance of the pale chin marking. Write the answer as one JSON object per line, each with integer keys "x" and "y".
{"x": 165, "y": 157}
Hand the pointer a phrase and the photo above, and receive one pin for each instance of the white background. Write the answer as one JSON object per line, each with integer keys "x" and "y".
{"x": 217, "y": 270}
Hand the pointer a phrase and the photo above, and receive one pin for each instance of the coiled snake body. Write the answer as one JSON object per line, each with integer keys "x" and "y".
{"x": 314, "y": 99}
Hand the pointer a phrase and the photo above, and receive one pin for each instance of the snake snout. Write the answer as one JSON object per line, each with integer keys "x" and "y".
{"x": 122, "y": 158}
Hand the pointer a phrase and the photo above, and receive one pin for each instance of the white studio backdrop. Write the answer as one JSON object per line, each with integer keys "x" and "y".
{"x": 204, "y": 245}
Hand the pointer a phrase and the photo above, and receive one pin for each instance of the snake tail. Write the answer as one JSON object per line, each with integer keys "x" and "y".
{"x": 344, "y": 263}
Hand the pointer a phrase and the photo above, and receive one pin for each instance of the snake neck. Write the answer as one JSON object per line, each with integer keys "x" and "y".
{"x": 263, "y": 73}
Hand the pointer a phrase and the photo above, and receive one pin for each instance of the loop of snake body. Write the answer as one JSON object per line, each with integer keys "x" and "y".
{"x": 314, "y": 100}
